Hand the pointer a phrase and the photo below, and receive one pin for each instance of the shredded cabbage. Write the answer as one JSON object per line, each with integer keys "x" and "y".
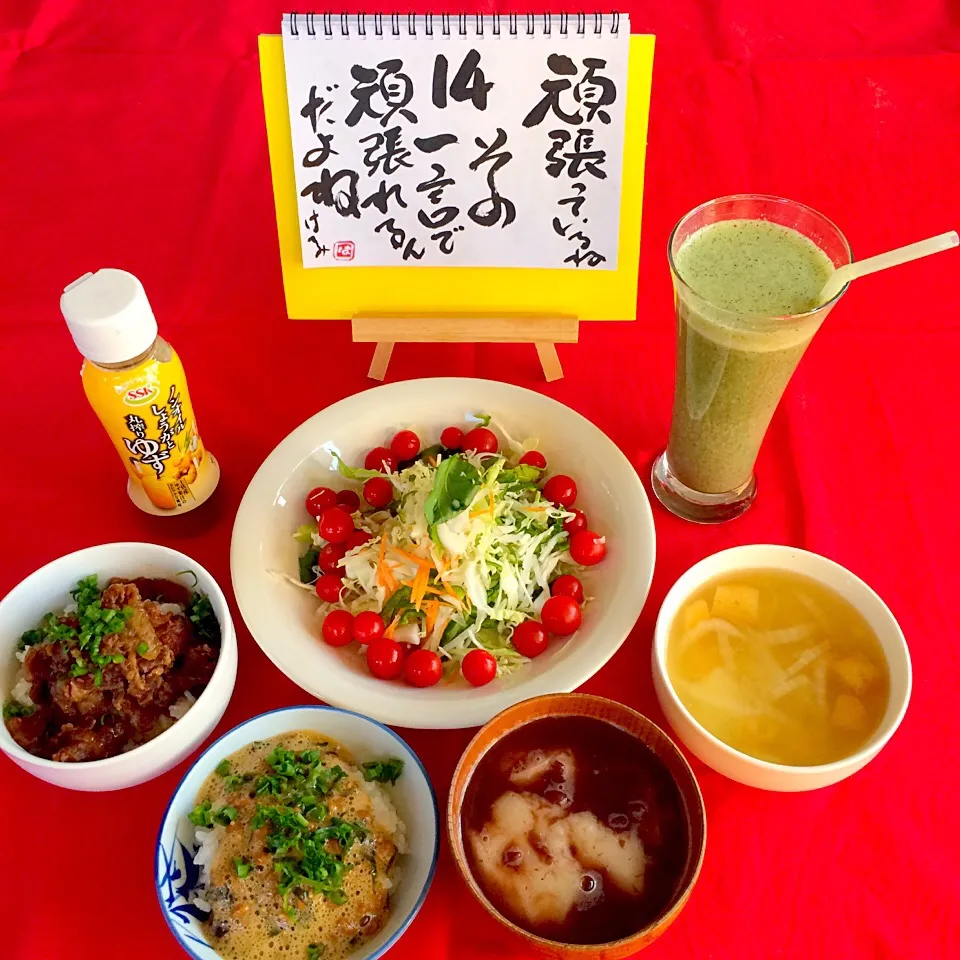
{"x": 466, "y": 553}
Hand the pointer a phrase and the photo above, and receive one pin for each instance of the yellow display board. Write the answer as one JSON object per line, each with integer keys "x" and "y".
{"x": 348, "y": 292}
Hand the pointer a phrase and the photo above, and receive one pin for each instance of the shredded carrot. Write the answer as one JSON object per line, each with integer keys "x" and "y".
{"x": 419, "y": 586}
{"x": 385, "y": 575}
{"x": 388, "y": 633}
{"x": 488, "y": 508}
{"x": 427, "y": 589}
{"x": 419, "y": 561}
{"x": 433, "y": 611}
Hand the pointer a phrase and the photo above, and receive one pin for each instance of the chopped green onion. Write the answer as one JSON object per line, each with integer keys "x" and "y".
{"x": 143, "y": 648}
{"x": 14, "y": 708}
{"x": 225, "y": 816}
{"x": 223, "y": 768}
{"x": 201, "y": 815}
{"x": 242, "y": 867}
{"x": 383, "y": 771}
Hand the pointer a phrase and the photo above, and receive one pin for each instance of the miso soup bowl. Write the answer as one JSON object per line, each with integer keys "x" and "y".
{"x": 638, "y": 726}
{"x": 48, "y": 589}
{"x": 741, "y": 766}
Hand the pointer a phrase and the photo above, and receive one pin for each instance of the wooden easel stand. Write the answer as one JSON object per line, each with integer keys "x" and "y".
{"x": 543, "y": 332}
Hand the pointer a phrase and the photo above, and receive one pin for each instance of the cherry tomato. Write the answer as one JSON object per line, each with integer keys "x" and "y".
{"x": 320, "y": 499}
{"x": 567, "y": 585}
{"x": 576, "y": 523}
{"x": 480, "y": 440}
{"x": 535, "y": 458}
{"x": 530, "y": 638}
{"x": 335, "y": 525}
{"x": 561, "y": 615}
{"x": 330, "y": 556}
{"x": 349, "y": 500}
{"x": 357, "y": 539}
{"x": 380, "y": 458}
{"x": 405, "y": 445}
{"x": 329, "y": 586}
{"x": 385, "y": 659}
{"x": 478, "y": 667}
{"x": 367, "y": 627}
{"x": 560, "y": 490}
{"x": 452, "y": 438}
{"x": 337, "y": 628}
{"x": 587, "y": 548}
{"x": 378, "y": 491}
{"x": 422, "y": 668}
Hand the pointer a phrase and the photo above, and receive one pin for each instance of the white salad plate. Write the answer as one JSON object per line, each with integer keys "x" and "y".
{"x": 283, "y": 618}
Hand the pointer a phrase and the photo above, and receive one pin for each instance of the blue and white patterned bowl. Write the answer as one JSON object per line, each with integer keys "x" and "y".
{"x": 177, "y": 875}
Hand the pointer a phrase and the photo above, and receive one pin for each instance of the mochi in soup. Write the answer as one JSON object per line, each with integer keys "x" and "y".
{"x": 779, "y": 666}
{"x": 575, "y": 830}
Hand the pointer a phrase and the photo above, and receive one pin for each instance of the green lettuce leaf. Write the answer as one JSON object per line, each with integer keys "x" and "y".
{"x": 454, "y": 486}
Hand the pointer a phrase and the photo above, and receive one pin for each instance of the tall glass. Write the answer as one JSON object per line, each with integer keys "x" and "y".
{"x": 732, "y": 367}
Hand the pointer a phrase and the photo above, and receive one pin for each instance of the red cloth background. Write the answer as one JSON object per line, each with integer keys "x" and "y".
{"x": 132, "y": 135}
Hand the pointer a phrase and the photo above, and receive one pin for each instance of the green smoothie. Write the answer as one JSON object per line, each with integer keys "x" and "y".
{"x": 739, "y": 343}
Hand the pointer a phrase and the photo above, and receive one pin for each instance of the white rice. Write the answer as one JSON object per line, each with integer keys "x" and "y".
{"x": 385, "y": 813}
{"x": 207, "y": 841}
{"x": 21, "y": 689}
{"x": 178, "y": 709}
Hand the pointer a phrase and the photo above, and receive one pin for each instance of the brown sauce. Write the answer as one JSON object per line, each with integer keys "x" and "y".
{"x": 156, "y": 658}
{"x": 575, "y": 830}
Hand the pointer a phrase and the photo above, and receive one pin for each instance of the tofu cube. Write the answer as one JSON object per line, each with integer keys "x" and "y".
{"x": 695, "y": 613}
{"x": 848, "y": 713}
{"x": 855, "y": 672}
{"x": 739, "y": 604}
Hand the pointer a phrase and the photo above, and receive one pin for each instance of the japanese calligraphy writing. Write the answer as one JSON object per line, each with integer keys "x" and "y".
{"x": 452, "y": 144}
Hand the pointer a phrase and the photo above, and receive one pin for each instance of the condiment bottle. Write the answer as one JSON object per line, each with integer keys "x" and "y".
{"x": 135, "y": 383}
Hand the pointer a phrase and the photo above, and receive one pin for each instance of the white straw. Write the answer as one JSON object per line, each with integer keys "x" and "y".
{"x": 860, "y": 268}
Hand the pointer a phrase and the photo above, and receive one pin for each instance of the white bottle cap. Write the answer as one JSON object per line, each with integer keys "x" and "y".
{"x": 109, "y": 316}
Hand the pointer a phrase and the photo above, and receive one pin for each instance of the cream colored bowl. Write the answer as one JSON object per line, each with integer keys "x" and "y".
{"x": 740, "y": 766}
{"x": 283, "y": 618}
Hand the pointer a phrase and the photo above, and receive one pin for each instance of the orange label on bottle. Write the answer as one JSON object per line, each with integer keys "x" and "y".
{"x": 148, "y": 414}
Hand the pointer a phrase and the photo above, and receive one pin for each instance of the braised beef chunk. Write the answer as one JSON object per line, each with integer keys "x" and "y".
{"x": 29, "y": 731}
{"x": 42, "y": 664}
{"x": 89, "y": 741}
{"x": 162, "y": 591}
{"x": 173, "y": 632}
{"x": 194, "y": 673}
{"x": 87, "y": 712}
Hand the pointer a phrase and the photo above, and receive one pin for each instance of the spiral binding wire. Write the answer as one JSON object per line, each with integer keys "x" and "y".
{"x": 327, "y": 24}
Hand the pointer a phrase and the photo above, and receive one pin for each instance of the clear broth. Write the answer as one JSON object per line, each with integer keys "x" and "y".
{"x": 779, "y": 667}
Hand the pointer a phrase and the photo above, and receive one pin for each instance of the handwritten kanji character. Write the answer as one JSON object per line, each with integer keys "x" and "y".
{"x": 386, "y": 150}
{"x": 581, "y": 159}
{"x": 393, "y": 88}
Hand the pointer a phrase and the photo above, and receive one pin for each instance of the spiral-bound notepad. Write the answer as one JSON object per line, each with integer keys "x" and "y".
{"x": 457, "y": 140}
